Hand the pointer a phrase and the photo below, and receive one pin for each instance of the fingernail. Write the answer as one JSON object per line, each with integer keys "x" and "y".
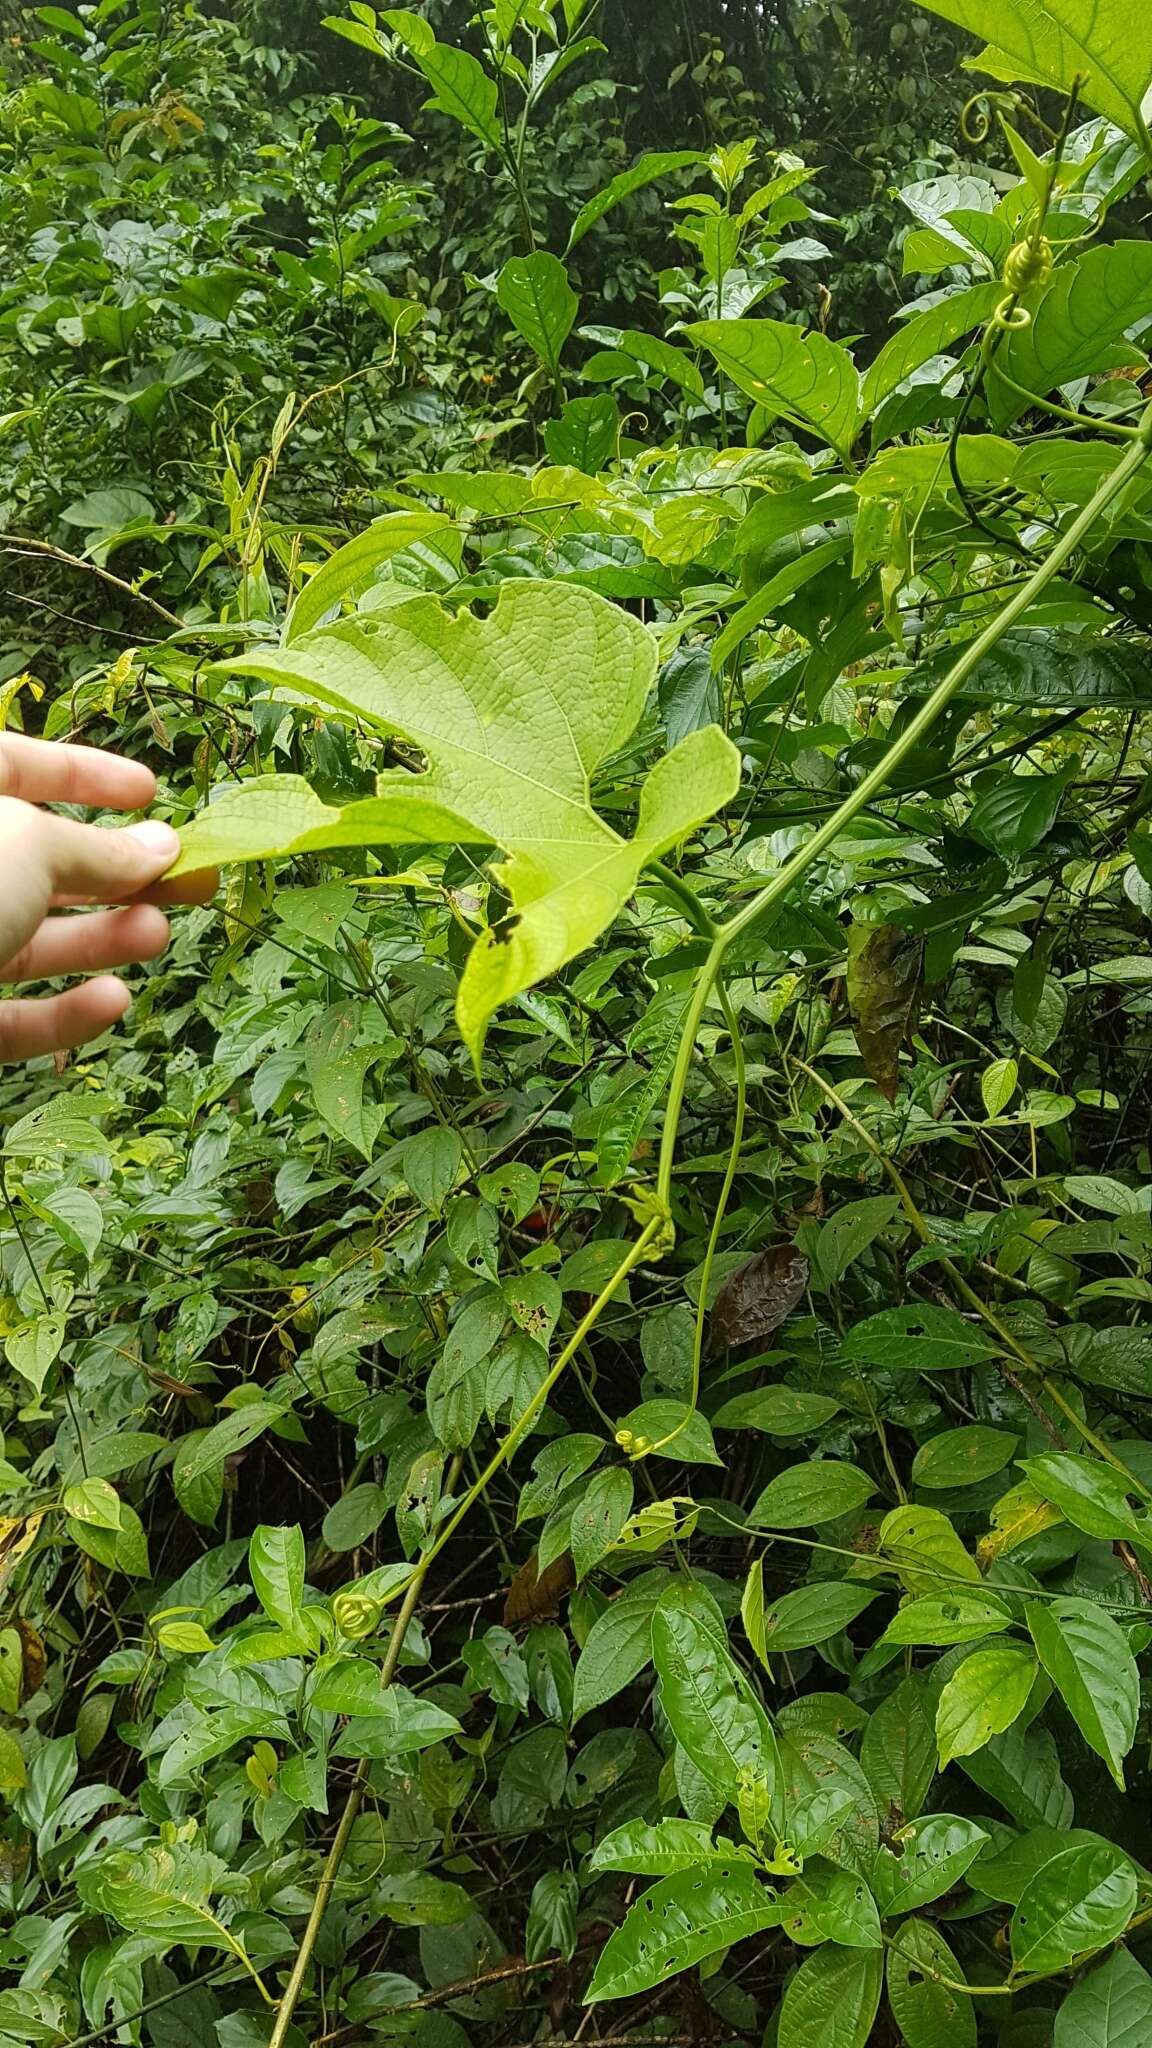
{"x": 155, "y": 837}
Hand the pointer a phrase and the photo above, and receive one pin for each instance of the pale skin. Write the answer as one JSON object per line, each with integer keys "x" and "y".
{"x": 50, "y": 864}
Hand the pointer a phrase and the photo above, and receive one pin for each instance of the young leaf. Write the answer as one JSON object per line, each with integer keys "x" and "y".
{"x": 1086, "y": 1655}
{"x": 1061, "y": 43}
{"x": 802, "y": 376}
{"x": 535, "y": 293}
{"x": 928, "y": 2013}
{"x": 513, "y": 712}
{"x": 681, "y": 1921}
{"x": 832, "y": 2000}
{"x": 983, "y": 1697}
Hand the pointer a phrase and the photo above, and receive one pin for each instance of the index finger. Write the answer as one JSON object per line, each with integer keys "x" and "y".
{"x": 42, "y": 772}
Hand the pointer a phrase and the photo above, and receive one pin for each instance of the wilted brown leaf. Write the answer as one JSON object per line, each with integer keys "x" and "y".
{"x": 883, "y": 993}
{"x": 534, "y": 1595}
{"x": 756, "y": 1298}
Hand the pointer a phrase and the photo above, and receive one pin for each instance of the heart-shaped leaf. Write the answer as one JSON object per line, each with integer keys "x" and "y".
{"x": 513, "y": 713}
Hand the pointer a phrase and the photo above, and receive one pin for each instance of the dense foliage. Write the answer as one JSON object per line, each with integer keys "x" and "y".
{"x": 575, "y": 1435}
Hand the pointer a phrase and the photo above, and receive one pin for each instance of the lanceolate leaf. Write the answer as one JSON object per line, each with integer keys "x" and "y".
{"x": 1086, "y": 1655}
{"x": 513, "y": 714}
{"x": 656, "y": 163}
{"x": 803, "y": 376}
{"x": 1057, "y": 42}
{"x": 711, "y": 1711}
{"x": 350, "y": 569}
{"x": 535, "y": 293}
{"x": 460, "y": 85}
{"x": 924, "y": 336}
{"x": 681, "y": 1921}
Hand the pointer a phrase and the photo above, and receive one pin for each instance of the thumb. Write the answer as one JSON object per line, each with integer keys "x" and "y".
{"x": 102, "y": 866}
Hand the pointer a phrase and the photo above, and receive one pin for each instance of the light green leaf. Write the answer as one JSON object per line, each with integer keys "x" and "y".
{"x": 802, "y": 376}
{"x": 659, "y": 1849}
{"x": 94, "y": 1502}
{"x": 1088, "y": 306}
{"x": 1081, "y": 1898}
{"x": 1086, "y": 1655}
{"x": 929, "y": 2014}
{"x": 33, "y": 1350}
{"x": 832, "y": 2000}
{"x": 276, "y": 1567}
{"x": 927, "y": 335}
{"x": 681, "y": 1921}
{"x": 1110, "y": 2008}
{"x": 655, "y": 163}
{"x": 513, "y": 713}
{"x": 982, "y": 1698}
{"x": 777, "y": 1411}
{"x": 998, "y": 1085}
{"x": 460, "y": 85}
{"x": 336, "y": 1070}
{"x": 942, "y": 1618}
{"x": 1090, "y": 1495}
{"x": 347, "y": 572}
{"x": 535, "y": 293}
{"x": 1101, "y": 43}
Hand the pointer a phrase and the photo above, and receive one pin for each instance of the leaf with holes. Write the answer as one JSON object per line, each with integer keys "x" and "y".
{"x": 1081, "y": 1898}
{"x": 924, "y": 1860}
{"x": 683, "y": 1920}
{"x": 831, "y": 1905}
{"x": 1086, "y": 1655}
{"x": 917, "y": 1338}
{"x": 513, "y": 714}
{"x": 929, "y": 2014}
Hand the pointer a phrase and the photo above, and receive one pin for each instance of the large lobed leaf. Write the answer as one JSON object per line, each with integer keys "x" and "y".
{"x": 1103, "y": 43}
{"x": 513, "y": 714}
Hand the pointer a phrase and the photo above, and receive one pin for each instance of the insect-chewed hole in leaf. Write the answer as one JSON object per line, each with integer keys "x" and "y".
{"x": 915, "y": 1977}
{"x": 501, "y": 934}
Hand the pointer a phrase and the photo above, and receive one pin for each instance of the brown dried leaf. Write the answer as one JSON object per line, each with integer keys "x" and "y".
{"x": 754, "y": 1301}
{"x": 535, "y": 1595}
{"x": 883, "y": 995}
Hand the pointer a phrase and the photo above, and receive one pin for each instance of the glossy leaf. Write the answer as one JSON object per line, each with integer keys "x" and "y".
{"x": 1090, "y": 1494}
{"x": 350, "y": 569}
{"x": 983, "y": 1697}
{"x": 812, "y": 1613}
{"x": 806, "y": 1495}
{"x": 655, "y": 163}
{"x": 962, "y": 1616}
{"x": 660, "y": 1848}
{"x": 683, "y": 1920}
{"x": 1081, "y": 1899}
{"x": 802, "y": 376}
{"x": 276, "y": 1564}
{"x": 1086, "y": 1655}
{"x": 535, "y": 293}
{"x": 925, "y": 1860}
{"x": 513, "y": 712}
{"x": 962, "y": 1457}
{"x": 710, "y": 1709}
{"x": 1054, "y": 669}
{"x": 926, "y": 335}
{"x": 919, "y": 1338}
{"x": 832, "y": 2000}
{"x": 1088, "y": 304}
{"x": 831, "y": 1906}
{"x": 461, "y": 87}
{"x": 1061, "y": 43}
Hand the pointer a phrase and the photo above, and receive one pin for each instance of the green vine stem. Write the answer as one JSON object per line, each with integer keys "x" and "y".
{"x": 875, "y": 783}
{"x": 288, "y": 2002}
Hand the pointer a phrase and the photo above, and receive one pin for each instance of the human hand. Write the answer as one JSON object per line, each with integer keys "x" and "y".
{"x": 49, "y": 863}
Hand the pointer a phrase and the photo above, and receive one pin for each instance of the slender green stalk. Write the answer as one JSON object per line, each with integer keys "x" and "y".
{"x": 875, "y": 783}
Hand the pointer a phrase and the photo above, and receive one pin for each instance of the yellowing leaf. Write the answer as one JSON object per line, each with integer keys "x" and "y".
{"x": 928, "y": 1554}
{"x": 512, "y": 713}
{"x": 1019, "y": 1514}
